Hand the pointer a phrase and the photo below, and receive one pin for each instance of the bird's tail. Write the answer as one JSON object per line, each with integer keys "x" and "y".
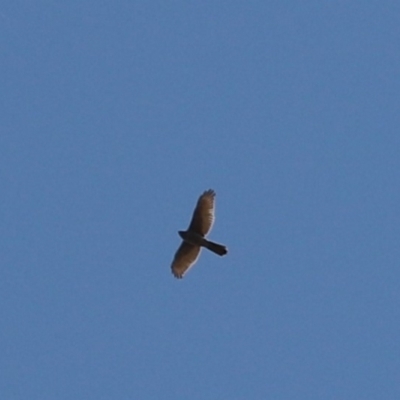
{"x": 216, "y": 248}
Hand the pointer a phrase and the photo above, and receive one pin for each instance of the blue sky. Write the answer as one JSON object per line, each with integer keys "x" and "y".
{"x": 116, "y": 116}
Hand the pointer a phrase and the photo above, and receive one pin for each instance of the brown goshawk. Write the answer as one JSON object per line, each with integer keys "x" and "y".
{"x": 194, "y": 237}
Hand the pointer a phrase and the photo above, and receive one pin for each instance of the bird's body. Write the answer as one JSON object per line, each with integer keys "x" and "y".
{"x": 194, "y": 237}
{"x": 199, "y": 240}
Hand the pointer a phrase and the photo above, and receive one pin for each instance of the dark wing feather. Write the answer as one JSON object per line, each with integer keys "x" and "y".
{"x": 186, "y": 255}
{"x": 203, "y": 215}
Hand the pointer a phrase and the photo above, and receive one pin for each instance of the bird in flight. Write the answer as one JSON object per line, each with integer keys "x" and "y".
{"x": 194, "y": 238}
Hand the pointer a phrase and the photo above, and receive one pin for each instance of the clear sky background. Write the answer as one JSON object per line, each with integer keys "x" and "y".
{"x": 116, "y": 116}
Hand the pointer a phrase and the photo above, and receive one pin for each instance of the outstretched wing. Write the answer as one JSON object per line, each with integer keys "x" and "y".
{"x": 185, "y": 257}
{"x": 203, "y": 215}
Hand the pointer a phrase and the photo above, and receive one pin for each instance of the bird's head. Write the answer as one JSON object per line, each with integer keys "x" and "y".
{"x": 181, "y": 234}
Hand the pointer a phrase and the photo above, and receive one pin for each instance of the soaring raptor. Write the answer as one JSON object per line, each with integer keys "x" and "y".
{"x": 194, "y": 238}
